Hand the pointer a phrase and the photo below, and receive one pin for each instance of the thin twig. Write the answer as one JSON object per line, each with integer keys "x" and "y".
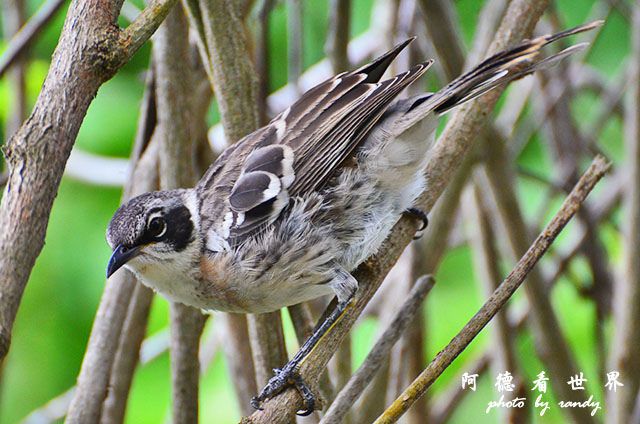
{"x": 93, "y": 380}
{"x": 262, "y": 56}
{"x": 186, "y": 326}
{"x": 267, "y": 345}
{"x": 140, "y": 30}
{"x": 239, "y": 359}
{"x": 486, "y": 259}
{"x": 303, "y": 324}
{"x": 224, "y": 51}
{"x": 95, "y": 375}
{"x": 379, "y": 352}
{"x": 340, "y": 366}
{"x": 134, "y": 327}
{"x": 500, "y": 296}
{"x": 13, "y": 16}
{"x": 449, "y": 400}
{"x": 551, "y": 346}
{"x": 28, "y": 33}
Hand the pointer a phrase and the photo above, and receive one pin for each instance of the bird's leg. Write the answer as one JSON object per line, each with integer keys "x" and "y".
{"x": 345, "y": 287}
{"x": 421, "y": 215}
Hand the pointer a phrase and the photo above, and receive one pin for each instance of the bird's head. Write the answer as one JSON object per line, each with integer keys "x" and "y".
{"x": 151, "y": 228}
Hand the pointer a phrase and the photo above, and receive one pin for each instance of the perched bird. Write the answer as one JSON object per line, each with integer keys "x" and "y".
{"x": 285, "y": 214}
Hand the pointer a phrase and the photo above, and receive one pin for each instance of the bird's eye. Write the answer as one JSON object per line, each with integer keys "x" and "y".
{"x": 157, "y": 227}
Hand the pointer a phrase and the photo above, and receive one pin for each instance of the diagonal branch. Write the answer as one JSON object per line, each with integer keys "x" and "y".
{"x": 501, "y": 295}
{"x": 28, "y": 33}
{"x": 380, "y": 351}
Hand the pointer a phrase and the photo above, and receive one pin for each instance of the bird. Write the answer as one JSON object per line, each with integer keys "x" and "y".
{"x": 286, "y": 214}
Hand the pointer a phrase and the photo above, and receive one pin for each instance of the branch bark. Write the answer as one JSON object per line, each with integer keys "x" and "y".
{"x": 90, "y": 52}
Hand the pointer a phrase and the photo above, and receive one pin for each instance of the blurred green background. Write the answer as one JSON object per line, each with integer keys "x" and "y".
{"x": 54, "y": 321}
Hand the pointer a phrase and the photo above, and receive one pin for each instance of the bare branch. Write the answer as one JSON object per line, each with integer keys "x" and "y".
{"x": 500, "y": 296}
{"x": 337, "y": 40}
{"x": 13, "y": 16}
{"x": 486, "y": 258}
{"x": 127, "y": 355}
{"x": 441, "y": 25}
{"x": 261, "y": 55}
{"x": 95, "y": 375}
{"x": 239, "y": 359}
{"x": 91, "y": 390}
{"x": 224, "y": 51}
{"x": 294, "y": 41}
{"x": 267, "y": 344}
{"x": 134, "y": 328}
{"x": 380, "y": 351}
{"x": 186, "y": 326}
{"x": 27, "y": 34}
{"x": 551, "y": 346}
{"x": 140, "y": 30}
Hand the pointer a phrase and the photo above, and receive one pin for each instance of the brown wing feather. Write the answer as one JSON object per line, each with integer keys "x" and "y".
{"x": 322, "y": 158}
{"x": 322, "y": 128}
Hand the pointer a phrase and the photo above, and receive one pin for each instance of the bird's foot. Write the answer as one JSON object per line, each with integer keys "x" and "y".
{"x": 420, "y": 215}
{"x": 284, "y": 377}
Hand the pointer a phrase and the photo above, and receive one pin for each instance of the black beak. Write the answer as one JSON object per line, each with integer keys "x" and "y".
{"x": 121, "y": 256}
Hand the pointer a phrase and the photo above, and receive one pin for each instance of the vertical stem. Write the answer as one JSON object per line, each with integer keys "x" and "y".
{"x": 338, "y": 35}
{"x": 294, "y": 41}
{"x": 626, "y": 349}
{"x": 174, "y": 88}
{"x": 239, "y": 360}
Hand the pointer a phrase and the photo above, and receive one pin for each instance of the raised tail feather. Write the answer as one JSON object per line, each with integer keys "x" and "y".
{"x": 502, "y": 68}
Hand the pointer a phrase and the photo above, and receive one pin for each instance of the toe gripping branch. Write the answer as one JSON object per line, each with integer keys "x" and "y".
{"x": 289, "y": 375}
{"x": 420, "y": 215}
{"x": 284, "y": 377}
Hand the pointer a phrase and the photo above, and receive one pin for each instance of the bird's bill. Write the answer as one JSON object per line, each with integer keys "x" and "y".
{"x": 121, "y": 256}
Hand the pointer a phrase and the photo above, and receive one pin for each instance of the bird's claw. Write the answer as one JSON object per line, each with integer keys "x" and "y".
{"x": 284, "y": 377}
{"x": 420, "y": 215}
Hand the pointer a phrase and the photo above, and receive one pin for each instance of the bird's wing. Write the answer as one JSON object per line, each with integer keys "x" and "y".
{"x": 300, "y": 148}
